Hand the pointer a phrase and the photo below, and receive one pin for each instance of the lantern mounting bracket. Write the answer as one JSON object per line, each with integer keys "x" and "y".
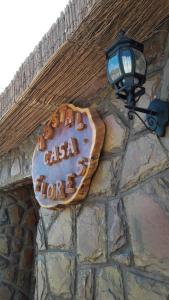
{"x": 157, "y": 115}
{"x": 143, "y": 110}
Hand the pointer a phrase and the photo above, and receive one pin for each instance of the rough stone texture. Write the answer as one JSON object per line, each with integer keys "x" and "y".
{"x": 116, "y": 226}
{"x": 124, "y": 258}
{"x": 9, "y": 274}
{"x": 106, "y": 178}
{"x": 139, "y": 288}
{"x": 40, "y": 238}
{"x": 26, "y": 259}
{"x": 159, "y": 190}
{"x": 156, "y": 50}
{"x": 29, "y": 238}
{"x": 3, "y": 216}
{"x": 144, "y": 156}
{"x": 85, "y": 285}
{"x": 165, "y": 86}
{"x": 41, "y": 277}
{"x": 102, "y": 180}
{"x": 3, "y": 245}
{"x": 20, "y": 296}
{"x": 3, "y": 263}
{"x": 60, "y": 233}
{"x": 165, "y": 140}
{"x": 16, "y": 247}
{"x": 6, "y": 292}
{"x": 18, "y": 232}
{"x": 9, "y": 199}
{"x": 60, "y": 270}
{"x": 109, "y": 284}
{"x": 15, "y": 214}
{"x": 30, "y": 218}
{"x": 23, "y": 280}
{"x": 149, "y": 226}
{"x": 17, "y": 164}
{"x": 48, "y": 216}
{"x": 115, "y": 134}
{"x": 91, "y": 235}
{"x": 16, "y": 168}
{"x": 4, "y": 170}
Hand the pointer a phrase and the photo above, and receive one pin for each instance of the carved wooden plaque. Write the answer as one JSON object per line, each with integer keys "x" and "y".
{"x": 66, "y": 156}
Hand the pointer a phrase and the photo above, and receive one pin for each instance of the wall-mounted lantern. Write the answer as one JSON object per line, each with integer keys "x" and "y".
{"x": 126, "y": 72}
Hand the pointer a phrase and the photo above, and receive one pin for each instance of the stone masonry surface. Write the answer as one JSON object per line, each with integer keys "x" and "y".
{"x": 18, "y": 222}
{"x": 114, "y": 245}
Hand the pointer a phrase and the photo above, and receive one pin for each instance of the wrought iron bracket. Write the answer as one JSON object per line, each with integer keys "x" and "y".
{"x": 157, "y": 115}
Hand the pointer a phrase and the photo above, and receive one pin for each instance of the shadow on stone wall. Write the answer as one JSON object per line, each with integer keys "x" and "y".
{"x": 18, "y": 223}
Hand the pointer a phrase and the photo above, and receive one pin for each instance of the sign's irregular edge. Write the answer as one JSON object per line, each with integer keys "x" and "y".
{"x": 98, "y": 133}
{"x": 98, "y": 139}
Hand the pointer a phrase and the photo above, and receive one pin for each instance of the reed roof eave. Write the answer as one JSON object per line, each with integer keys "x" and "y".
{"x": 78, "y": 63}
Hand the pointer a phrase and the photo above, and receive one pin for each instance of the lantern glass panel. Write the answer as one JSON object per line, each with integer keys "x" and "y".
{"x": 140, "y": 62}
{"x": 113, "y": 68}
{"x": 126, "y": 57}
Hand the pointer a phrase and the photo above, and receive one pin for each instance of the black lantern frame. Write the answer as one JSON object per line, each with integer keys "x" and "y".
{"x": 128, "y": 84}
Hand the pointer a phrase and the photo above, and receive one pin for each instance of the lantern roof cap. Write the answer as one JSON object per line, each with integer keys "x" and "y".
{"x": 122, "y": 40}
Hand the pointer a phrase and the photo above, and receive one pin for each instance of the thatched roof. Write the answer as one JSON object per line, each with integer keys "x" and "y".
{"x": 70, "y": 58}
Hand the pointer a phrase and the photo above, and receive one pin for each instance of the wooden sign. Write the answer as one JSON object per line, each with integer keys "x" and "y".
{"x": 66, "y": 156}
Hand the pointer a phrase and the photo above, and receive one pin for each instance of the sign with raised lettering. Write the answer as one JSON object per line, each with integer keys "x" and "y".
{"x": 66, "y": 156}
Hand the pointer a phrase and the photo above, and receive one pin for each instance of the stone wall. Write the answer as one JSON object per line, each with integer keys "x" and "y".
{"x": 18, "y": 222}
{"x": 15, "y": 166}
{"x": 114, "y": 245}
